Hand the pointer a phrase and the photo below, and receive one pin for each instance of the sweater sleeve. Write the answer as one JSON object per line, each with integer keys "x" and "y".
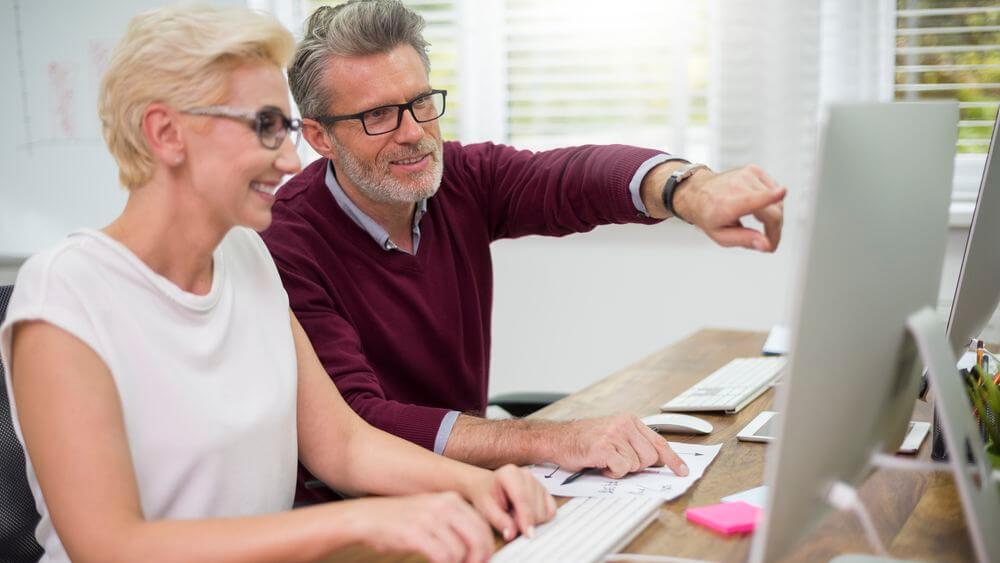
{"x": 339, "y": 347}
{"x": 555, "y": 192}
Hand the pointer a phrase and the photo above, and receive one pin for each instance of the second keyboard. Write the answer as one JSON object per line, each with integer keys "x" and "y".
{"x": 729, "y": 388}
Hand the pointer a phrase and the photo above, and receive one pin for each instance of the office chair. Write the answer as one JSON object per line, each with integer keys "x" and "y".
{"x": 523, "y": 404}
{"x": 18, "y": 516}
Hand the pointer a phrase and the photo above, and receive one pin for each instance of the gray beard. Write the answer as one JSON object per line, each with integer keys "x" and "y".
{"x": 375, "y": 181}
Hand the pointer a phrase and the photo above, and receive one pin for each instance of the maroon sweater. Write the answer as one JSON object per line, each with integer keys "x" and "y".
{"x": 406, "y": 338}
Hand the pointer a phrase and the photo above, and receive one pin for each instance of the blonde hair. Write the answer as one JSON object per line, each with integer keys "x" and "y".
{"x": 181, "y": 56}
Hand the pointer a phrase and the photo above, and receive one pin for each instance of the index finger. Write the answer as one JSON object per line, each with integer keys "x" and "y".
{"x": 668, "y": 457}
{"x": 498, "y": 517}
{"x": 764, "y": 178}
{"x": 772, "y": 217}
{"x": 474, "y": 533}
{"x": 523, "y": 512}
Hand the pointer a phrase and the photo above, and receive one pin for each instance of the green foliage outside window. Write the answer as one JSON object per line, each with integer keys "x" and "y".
{"x": 956, "y": 56}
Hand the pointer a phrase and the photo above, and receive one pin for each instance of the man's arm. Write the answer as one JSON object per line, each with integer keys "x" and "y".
{"x": 575, "y": 189}
{"x": 554, "y": 192}
{"x": 617, "y": 445}
{"x": 716, "y": 202}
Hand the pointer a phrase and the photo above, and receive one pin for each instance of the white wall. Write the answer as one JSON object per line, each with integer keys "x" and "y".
{"x": 568, "y": 312}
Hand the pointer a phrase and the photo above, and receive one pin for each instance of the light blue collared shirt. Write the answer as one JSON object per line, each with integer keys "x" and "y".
{"x": 381, "y": 237}
{"x": 361, "y": 219}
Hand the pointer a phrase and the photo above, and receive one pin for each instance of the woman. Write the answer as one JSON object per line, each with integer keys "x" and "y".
{"x": 161, "y": 386}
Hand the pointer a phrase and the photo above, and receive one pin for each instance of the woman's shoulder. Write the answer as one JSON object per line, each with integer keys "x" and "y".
{"x": 245, "y": 244}
{"x": 72, "y": 258}
{"x": 246, "y": 255}
{"x": 56, "y": 284}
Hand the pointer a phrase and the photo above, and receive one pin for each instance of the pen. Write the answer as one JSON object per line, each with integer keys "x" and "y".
{"x": 577, "y": 475}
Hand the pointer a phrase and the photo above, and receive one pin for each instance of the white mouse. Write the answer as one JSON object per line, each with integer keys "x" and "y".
{"x": 677, "y": 423}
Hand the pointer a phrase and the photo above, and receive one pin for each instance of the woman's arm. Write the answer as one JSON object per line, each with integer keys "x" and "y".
{"x": 71, "y": 418}
{"x": 344, "y": 451}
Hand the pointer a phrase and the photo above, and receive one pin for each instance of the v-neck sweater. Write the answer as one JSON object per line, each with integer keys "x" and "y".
{"x": 406, "y": 338}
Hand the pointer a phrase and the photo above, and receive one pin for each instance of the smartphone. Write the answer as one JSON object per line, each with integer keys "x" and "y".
{"x": 764, "y": 427}
{"x": 915, "y": 435}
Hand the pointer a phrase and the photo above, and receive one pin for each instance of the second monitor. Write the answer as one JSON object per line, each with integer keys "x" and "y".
{"x": 874, "y": 256}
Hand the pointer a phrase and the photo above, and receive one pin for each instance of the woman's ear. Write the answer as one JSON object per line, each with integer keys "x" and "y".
{"x": 161, "y": 129}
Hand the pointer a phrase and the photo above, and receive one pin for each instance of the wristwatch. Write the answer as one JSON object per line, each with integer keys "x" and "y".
{"x": 675, "y": 179}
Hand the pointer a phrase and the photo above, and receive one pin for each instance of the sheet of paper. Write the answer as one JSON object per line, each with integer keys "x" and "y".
{"x": 756, "y": 496}
{"x": 654, "y": 481}
{"x": 777, "y": 341}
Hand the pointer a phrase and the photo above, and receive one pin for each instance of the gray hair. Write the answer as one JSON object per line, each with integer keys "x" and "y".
{"x": 355, "y": 28}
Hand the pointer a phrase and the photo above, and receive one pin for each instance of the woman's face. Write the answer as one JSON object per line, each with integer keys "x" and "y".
{"x": 232, "y": 174}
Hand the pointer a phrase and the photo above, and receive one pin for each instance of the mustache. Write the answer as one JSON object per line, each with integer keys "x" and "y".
{"x": 422, "y": 147}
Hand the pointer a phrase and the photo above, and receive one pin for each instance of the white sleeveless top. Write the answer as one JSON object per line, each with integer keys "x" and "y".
{"x": 207, "y": 382}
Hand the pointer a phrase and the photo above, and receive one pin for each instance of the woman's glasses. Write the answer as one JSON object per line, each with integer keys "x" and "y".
{"x": 270, "y": 123}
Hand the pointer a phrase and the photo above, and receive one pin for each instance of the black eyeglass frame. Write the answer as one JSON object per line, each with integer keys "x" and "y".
{"x": 328, "y": 120}
{"x": 255, "y": 121}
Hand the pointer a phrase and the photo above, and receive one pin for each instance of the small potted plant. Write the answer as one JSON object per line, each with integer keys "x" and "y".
{"x": 985, "y": 396}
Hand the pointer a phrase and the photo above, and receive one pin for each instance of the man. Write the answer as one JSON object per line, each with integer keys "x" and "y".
{"x": 383, "y": 244}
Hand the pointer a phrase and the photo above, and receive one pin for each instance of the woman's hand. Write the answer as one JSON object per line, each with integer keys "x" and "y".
{"x": 511, "y": 500}
{"x": 441, "y": 526}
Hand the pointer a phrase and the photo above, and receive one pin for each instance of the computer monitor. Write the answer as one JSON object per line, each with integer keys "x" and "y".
{"x": 873, "y": 257}
{"x": 977, "y": 292}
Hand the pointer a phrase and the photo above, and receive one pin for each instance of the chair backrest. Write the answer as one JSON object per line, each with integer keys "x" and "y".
{"x": 18, "y": 516}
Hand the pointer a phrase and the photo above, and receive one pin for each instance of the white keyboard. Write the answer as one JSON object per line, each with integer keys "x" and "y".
{"x": 729, "y": 388}
{"x": 585, "y": 529}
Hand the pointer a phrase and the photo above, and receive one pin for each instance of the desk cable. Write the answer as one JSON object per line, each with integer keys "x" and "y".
{"x": 841, "y": 496}
{"x": 845, "y": 497}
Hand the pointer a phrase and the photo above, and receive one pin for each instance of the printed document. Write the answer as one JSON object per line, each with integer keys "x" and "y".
{"x": 657, "y": 482}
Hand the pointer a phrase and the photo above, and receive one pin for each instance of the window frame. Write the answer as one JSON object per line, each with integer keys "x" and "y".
{"x": 969, "y": 167}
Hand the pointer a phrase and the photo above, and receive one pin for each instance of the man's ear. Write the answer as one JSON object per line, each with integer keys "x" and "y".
{"x": 161, "y": 129}
{"x": 318, "y": 138}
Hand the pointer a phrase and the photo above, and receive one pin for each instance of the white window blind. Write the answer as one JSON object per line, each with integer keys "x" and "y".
{"x": 443, "y": 34}
{"x": 950, "y": 49}
{"x": 583, "y": 72}
{"x": 765, "y": 87}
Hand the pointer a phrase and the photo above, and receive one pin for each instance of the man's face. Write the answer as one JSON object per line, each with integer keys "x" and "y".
{"x": 403, "y": 166}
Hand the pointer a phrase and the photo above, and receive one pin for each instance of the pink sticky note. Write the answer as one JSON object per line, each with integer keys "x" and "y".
{"x": 726, "y": 517}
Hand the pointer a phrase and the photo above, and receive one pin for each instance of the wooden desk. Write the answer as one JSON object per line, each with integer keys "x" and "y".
{"x": 918, "y": 516}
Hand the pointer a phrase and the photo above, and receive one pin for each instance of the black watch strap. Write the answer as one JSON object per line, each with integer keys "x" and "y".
{"x": 675, "y": 179}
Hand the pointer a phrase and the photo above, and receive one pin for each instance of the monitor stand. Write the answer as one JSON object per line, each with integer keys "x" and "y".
{"x": 977, "y": 487}
{"x": 976, "y": 483}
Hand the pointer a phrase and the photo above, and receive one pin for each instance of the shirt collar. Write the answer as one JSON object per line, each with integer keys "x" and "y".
{"x": 369, "y": 225}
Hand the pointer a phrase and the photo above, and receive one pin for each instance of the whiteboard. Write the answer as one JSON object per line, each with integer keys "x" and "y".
{"x": 57, "y": 174}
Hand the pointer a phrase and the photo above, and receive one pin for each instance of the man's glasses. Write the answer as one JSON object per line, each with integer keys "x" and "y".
{"x": 269, "y": 122}
{"x": 386, "y": 119}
